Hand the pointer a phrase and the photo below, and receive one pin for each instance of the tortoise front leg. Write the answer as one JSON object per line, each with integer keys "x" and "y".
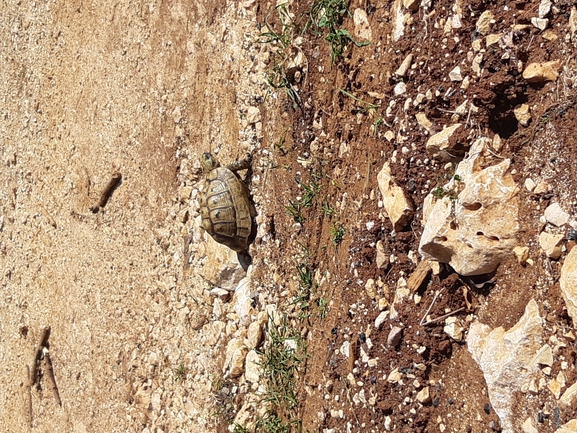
{"x": 240, "y": 165}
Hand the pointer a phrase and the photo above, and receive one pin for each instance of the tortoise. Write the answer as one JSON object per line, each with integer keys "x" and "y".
{"x": 224, "y": 203}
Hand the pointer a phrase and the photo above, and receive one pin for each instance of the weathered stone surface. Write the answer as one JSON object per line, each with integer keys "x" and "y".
{"x": 541, "y": 72}
{"x": 530, "y": 184}
{"x": 568, "y": 283}
{"x": 412, "y": 5}
{"x": 473, "y": 226}
{"x": 551, "y": 244}
{"x": 522, "y": 254}
{"x": 439, "y": 142}
{"x": 400, "y": 88}
{"x": 254, "y": 335}
{"x": 253, "y": 368}
{"x": 484, "y": 22}
{"x": 555, "y": 215}
{"x": 453, "y": 329}
{"x": 222, "y": 267}
{"x": 540, "y": 23}
{"x": 399, "y": 207}
{"x": 544, "y": 8}
{"x": 570, "y": 427}
{"x": 404, "y": 67}
{"x": 371, "y": 289}
{"x": 493, "y": 39}
{"x": 395, "y": 335}
{"x": 423, "y": 121}
{"x": 382, "y": 257}
{"x": 455, "y": 74}
{"x": 544, "y": 356}
{"x": 242, "y": 302}
{"x": 528, "y": 426}
{"x": 507, "y": 360}
{"x": 362, "y": 27}
{"x": 569, "y": 397}
{"x": 399, "y": 19}
{"x": 234, "y": 360}
{"x": 522, "y": 114}
{"x": 421, "y": 272}
{"x": 381, "y": 318}
{"x": 555, "y": 387}
{"x": 424, "y": 396}
{"x": 573, "y": 23}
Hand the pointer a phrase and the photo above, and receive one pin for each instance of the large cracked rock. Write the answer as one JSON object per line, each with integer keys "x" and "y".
{"x": 568, "y": 283}
{"x": 222, "y": 268}
{"x": 473, "y": 226}
{"x": 507, "y": 360}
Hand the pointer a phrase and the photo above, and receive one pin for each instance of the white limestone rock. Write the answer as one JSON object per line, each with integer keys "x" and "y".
{"x": 551, "y": 244}
{"x": 570, "y": 427}
{"x": 222, "y": 267}
{"x": 555, "y": 215}
{"x": 234, "y": 359}
{"x": 568, "y": 283}
{"x": 362, "y": 28}
{"x": 439, "y": 144}
{"x": 473, "y": 226}
{"x": 398, "y": 205}
{"x": 507, "y": 360}
{"x": 253, "y": 369}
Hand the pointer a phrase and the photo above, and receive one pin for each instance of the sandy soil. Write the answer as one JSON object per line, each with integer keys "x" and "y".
{"x": 93, "y": 93}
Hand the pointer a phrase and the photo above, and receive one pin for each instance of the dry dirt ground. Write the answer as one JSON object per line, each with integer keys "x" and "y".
{"x": 93, "y": 92}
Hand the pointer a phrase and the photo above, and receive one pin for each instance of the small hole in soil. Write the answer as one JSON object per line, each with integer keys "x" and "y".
{"x": 473, "y": 206}
{"x": 442, "y": 239}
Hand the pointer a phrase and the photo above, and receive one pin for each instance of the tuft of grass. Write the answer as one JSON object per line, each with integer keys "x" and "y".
{"x": 328, "y": 210}
{"x": 284, "y": 354}
{"x": 279, "y": 145}
{"x": 223, "y": 408}
{"x": 180, "y": 373}
{"x": 296, "y": 207}
{"x": 306, "y": 288}
{"x": 365, "y": 106}
{"x": 281, "y": 36}
{"x": 326, "y": 16}
{"x": 337, "y": 233}
{"x": 323, "y": 308}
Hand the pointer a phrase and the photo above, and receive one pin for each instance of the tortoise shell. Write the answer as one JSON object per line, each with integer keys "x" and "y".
{"x": 225, "y": 209}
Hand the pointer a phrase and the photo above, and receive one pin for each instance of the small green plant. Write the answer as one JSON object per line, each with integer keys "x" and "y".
{"x": 328, "y": 210}
{"x": 327, "y": 15}
{"x": 223, "y": 408}
{"x": 279, "y": 145}
{"x": 337, "y": 233}
{"x": 180, "y": 373}
{"x": 284, "y": 354}
{"x": 281, "y": 35}
{"x": 439, "y": 192}
{"x": 365, "y": 106}
{"x": 453, "y": 193}
{"x": 295, "y": 207}
{"x": 306, "y": 288}
{"x": 323, "y": 308}
{"x": 378, "y": 122}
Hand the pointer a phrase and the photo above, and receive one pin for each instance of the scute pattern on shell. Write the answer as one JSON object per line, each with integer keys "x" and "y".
{"x": 225, "y": 209}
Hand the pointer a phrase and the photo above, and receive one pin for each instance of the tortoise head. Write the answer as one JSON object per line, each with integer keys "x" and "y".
{"x": 209, "y": 162}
